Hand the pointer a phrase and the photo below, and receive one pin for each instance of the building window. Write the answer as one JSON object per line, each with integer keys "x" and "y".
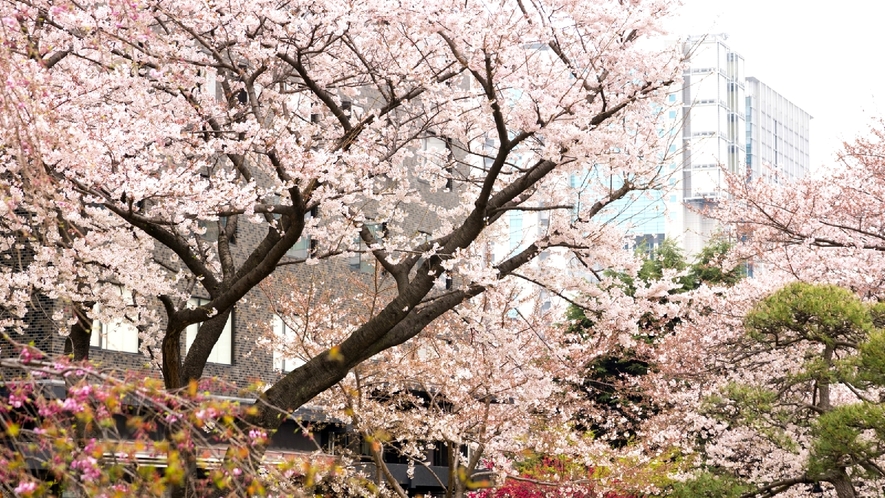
{"x": 352, "y": 110}
{"x": 443, "y": 282}
{"x": 516, "y": 235}
{"x": 223, "y": 349}
{"x": 363, "y": 259}
{"x": 210, "y": 229}
{"x": 210, "y": 86}
{"x": 305, "y": 245}
{"x": 436, "y": 151}
{"x": 284, "y": 338}
{"x": 115, "y": 334}
{"x": 301, "y": 249}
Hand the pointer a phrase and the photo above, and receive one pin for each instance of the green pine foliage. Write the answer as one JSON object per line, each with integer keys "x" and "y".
{"x": 667, "y": 256}
{"x": 708, "y": 484}
{"x": 711, "y": 266}
{"x": 839, "y": 343}
{"x": 817, "y": 313}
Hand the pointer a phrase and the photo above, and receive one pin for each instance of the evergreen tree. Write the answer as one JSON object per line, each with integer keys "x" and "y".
{"x": 803, "y": 386}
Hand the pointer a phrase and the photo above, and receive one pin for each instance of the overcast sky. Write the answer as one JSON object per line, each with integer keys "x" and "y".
{"x": 826, "y": 57}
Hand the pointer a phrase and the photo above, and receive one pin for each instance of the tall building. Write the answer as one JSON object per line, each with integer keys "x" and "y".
{"x": 777, "y": 135}
{"x": 729, "y": 123}
{"x": 713, "y": 133}
{"x": 719, "y": 121}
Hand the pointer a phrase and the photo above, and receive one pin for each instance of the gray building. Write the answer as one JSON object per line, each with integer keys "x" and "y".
{"x": 777, "y": 135}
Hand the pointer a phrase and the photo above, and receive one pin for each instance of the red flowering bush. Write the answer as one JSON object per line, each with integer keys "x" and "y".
{"x": 551, "y": 477}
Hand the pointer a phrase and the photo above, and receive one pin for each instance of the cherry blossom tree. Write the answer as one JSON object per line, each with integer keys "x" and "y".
{"x": 476, "y": 387}
{"x": 819, "y": 230}
{"x": 822, "y": 228}
{"x": 139, "y": 138}
{"x": 659, "y": 296}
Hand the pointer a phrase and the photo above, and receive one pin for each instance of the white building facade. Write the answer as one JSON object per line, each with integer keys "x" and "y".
{"x": 777, "y": 135}
{"x": 729, "y": 123}
{"x": 713, "y": 134}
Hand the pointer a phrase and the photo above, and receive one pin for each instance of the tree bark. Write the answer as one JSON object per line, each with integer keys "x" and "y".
{"x": 80, "y": 333}
{"x": 172, "y": 355}
{"x": 454, "y": 461}
{"x": 843, "y": 485}
{"x": 378, "y": 457}
{"x": 198, "y": 354}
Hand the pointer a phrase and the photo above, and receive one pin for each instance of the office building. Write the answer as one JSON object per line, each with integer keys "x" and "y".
{"x": 777, "y": 135}
{"x": 728, "y": 123}
{"x": 713, "y": 134}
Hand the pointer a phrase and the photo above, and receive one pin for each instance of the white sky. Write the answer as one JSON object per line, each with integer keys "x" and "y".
{"x": 824, "y": 56}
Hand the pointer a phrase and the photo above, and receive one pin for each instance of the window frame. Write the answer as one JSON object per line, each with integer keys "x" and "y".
{"x": 442, "y": 151}
{"x": 101, "y": 332}
{"x": 191, "y": 331}
{"x": 358, "y": 262}
{"x": 305, "y": 245}
{"x": 279, "y": 360}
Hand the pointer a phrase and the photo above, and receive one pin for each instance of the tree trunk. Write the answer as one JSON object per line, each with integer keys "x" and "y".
{"x": 843, "y": 485}
{"x": 177, "y": 373}
{"x": 208, "y": 335}
{"x": 386, "y": 475}
{"x": 453, "y": 468}
{"x": 77, "y": 343}
{"x": 172, "y": 356}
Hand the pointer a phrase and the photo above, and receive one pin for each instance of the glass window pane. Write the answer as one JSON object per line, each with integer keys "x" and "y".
{"x": 283, "y": 359}
{"x": 223, "y": 349}
{"x": 116, "y": 334}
